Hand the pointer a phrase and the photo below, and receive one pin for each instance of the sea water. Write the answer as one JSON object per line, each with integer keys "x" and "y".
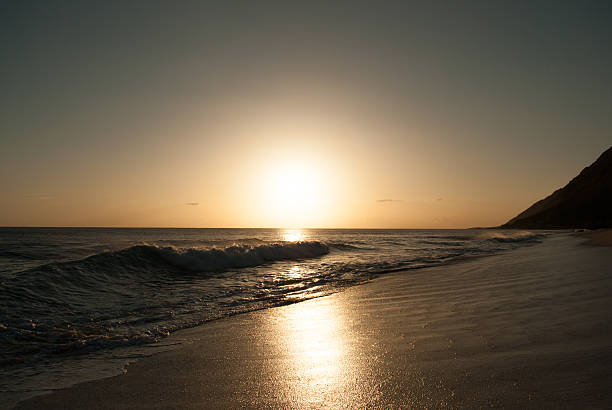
{"x": 77, "y": 304}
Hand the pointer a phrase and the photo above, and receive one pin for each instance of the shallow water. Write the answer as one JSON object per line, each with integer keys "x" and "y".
{"x": 78, "y": 303}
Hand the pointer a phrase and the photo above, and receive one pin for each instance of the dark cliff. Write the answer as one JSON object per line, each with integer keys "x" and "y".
{"x": 585, "y": 202}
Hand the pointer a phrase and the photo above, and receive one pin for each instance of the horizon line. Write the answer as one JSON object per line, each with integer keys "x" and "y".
{"x": 183, "y": 227}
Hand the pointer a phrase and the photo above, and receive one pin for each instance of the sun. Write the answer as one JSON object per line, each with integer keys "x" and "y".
{"x": 295, "y": 192}
{"x": 293, "y": 186}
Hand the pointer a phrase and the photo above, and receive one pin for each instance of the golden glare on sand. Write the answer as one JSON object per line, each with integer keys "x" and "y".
{"x": 322, "y": 365}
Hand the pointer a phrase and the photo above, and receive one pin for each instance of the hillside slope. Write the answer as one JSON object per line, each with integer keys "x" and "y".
{"x": 585, "y": 202}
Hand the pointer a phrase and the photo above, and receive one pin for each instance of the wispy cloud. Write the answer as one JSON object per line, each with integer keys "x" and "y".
{"x": 441, "y": 219}
{"x": 192, "y": 203}
{"x": 40, "y": 197}
{"x": 388, "y": 200}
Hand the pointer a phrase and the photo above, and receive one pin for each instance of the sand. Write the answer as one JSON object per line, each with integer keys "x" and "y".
{"x": 600, "y": 237}
{"x": 525, "y": 329}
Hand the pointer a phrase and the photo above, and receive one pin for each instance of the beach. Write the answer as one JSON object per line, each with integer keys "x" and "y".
{"x": 599, "y": 237}
{"x": 528, "y": 328}
{"x": 305, "y": 205}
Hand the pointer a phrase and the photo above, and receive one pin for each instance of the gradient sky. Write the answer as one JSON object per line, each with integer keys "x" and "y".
{"x": 280, "y": 114}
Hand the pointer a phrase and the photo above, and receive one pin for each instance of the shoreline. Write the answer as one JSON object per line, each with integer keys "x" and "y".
{"x": 598, "y": 237}
{"x": 421, "y": 339}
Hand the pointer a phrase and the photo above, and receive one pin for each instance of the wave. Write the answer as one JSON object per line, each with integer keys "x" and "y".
{"x": 238, "y": 256}
{"x": 348, "y": 247}
{"x": 150, "y": 258}
{"x": 515, "y": 236}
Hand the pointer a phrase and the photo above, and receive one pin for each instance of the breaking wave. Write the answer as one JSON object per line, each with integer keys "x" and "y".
{"x": 514, "y": 236}
{"x": 237, "y": 256}
{"x": 149, "y": 258}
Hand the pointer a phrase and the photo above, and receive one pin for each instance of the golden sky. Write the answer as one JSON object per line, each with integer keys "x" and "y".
{"x": 403, "y": 116}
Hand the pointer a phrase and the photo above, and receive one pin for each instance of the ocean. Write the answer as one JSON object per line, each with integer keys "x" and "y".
{"x": 79, "y": 303}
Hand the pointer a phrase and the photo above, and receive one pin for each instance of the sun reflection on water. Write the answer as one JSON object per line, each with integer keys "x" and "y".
{"x": 295, "y": 272}
{"x": 293, "y": 235}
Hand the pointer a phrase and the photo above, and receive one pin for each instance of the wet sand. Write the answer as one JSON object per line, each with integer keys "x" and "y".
{"x": 525, "y": 329}
{"x": 600, "y": 237}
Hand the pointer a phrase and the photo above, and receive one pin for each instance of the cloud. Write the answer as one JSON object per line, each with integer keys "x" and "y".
{"x": 441, "y": 219}
{"x": 192, "y": 203}
{"x": 40, "y": 197}
{"x": 439, "y": 199}
{"x": 388, "y": 200}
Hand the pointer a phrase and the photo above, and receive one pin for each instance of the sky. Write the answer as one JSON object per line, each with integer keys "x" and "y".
{"x": 297, "y": 114}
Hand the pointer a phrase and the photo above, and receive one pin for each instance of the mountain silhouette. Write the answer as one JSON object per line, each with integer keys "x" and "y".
{"x": 585, "y": 202}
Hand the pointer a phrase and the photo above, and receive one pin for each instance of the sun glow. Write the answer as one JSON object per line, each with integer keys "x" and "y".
{"x": 295, "y": 193}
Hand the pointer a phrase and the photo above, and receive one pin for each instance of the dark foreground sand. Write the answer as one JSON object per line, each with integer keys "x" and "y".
{"x": 530, "y": 328}
{"x": 600, "y": 237}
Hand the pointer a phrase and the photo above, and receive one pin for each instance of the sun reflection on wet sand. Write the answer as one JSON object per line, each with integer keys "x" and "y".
{"x": 323, "y": 366}
{"x": 314, "y": 336}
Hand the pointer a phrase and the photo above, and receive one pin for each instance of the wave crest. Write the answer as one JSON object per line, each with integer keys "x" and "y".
{"x": 238, "y": 256}
{"x": 518, "y": 236}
